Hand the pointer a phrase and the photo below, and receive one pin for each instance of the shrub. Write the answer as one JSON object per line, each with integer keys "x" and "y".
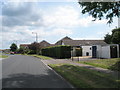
{"x": 32, "y": 52}
{"x": 116, "y": 66}
{"x": 23, "y": 50}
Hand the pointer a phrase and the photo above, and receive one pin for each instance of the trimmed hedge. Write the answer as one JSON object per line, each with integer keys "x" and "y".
{"x": 60, "y": 51}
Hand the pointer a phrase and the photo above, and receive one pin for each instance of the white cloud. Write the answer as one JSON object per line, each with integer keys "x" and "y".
{"x": 30, "y": 15}
{"x": 61, "y": 32}
{"x": 21, "y": 19}
{"x": 43, "y": 1}
{"x": 62, "y": 17}
{"x": 68, "y": 16}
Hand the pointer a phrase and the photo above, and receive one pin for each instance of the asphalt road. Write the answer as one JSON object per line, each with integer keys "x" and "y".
{"x": 21, "y": 71}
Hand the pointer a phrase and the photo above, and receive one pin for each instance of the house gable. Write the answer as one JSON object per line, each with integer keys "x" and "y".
{"x": 44, "y": 44}
{"x": 60, "y": 41}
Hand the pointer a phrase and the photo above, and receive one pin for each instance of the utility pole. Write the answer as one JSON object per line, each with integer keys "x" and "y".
{"x": 37, "y": 47}
{"x": 36, "y": 36}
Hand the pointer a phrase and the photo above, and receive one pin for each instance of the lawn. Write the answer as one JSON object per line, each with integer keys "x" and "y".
{"x": 81, "y": 77}
{"x": 112, "y": 64}
{"x": 42, "y": 57}
{"x": 3, "y": 56}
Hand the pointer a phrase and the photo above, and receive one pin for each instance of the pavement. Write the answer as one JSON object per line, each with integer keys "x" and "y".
{"x": 20, "y": 71}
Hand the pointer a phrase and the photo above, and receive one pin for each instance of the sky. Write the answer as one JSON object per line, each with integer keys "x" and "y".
{"x": 50, "y": 20}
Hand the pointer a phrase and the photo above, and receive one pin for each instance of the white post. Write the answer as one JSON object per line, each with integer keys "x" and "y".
{"x": 119, "y": 22}
{"x": 118, "y": 51}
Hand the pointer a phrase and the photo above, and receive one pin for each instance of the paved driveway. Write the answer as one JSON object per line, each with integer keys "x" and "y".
{"x": 20, "y": 71}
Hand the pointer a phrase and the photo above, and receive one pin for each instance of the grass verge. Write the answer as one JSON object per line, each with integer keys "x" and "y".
{"x": 42, "y": 57}
{"x": 81, "y": 77}
{"x": 112, "y": 64}
{"x": 3, "y": 56}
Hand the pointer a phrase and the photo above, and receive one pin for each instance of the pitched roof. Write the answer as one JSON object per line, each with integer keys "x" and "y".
{"x": 65, "y": 38}
{"x": 44, "y": 42}
{"x": 24, "y": 44}
{"x": 83, "y": 42}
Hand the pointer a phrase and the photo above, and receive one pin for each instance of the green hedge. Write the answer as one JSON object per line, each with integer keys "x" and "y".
{"x": 61, "y": 51}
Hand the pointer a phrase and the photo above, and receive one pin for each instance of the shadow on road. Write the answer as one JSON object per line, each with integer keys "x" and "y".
{"x": 33, "y": 81}
{"x": 23, "y": 80}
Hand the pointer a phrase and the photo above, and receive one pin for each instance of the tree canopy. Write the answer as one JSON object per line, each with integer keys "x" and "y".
{"x": 114, "y": 38}
{"x": 13, "y": 47}
{"x": 35, "y": 47}
{"x": 107, "y": 38}
{"x": 101, "y": 9}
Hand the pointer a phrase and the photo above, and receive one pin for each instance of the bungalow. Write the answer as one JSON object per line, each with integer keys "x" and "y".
{"x": 24, "y": 45}
{"x": 43, "y": 44}
{"x": 85, "y": 45}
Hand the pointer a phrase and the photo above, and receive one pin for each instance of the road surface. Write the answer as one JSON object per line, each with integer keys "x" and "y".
{"x": 21, "y": 71}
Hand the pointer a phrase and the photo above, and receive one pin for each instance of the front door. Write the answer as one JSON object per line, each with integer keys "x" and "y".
{"x": 94, "y": 51}
{"x": 113, "y": 51}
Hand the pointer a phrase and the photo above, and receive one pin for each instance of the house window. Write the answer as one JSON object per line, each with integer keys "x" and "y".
{"x": 90, "y": 48}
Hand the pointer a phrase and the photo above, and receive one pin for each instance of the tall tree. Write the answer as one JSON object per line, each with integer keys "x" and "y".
{"x": 107, "y": 38}
{"x": 13, "y": 47}
{"x": 101, "y": 9}
{"x": 114, "y": 37}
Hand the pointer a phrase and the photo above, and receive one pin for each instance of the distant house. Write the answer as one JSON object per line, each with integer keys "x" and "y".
{"x": 6, "y": 51}
{"x": 24, "y": 45}
{"x": 93, "y": 48}
{"x": 43, "y": 44}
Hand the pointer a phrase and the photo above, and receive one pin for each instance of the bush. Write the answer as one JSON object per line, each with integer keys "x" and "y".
{"x": 116, "y": 66}
{"x": 57, "y": 51}
{"x": 23, "y": 50}
{"x": 32, "y": 52}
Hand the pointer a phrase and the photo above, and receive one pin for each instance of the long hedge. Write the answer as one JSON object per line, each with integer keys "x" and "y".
{"x": 61, "y": 51}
